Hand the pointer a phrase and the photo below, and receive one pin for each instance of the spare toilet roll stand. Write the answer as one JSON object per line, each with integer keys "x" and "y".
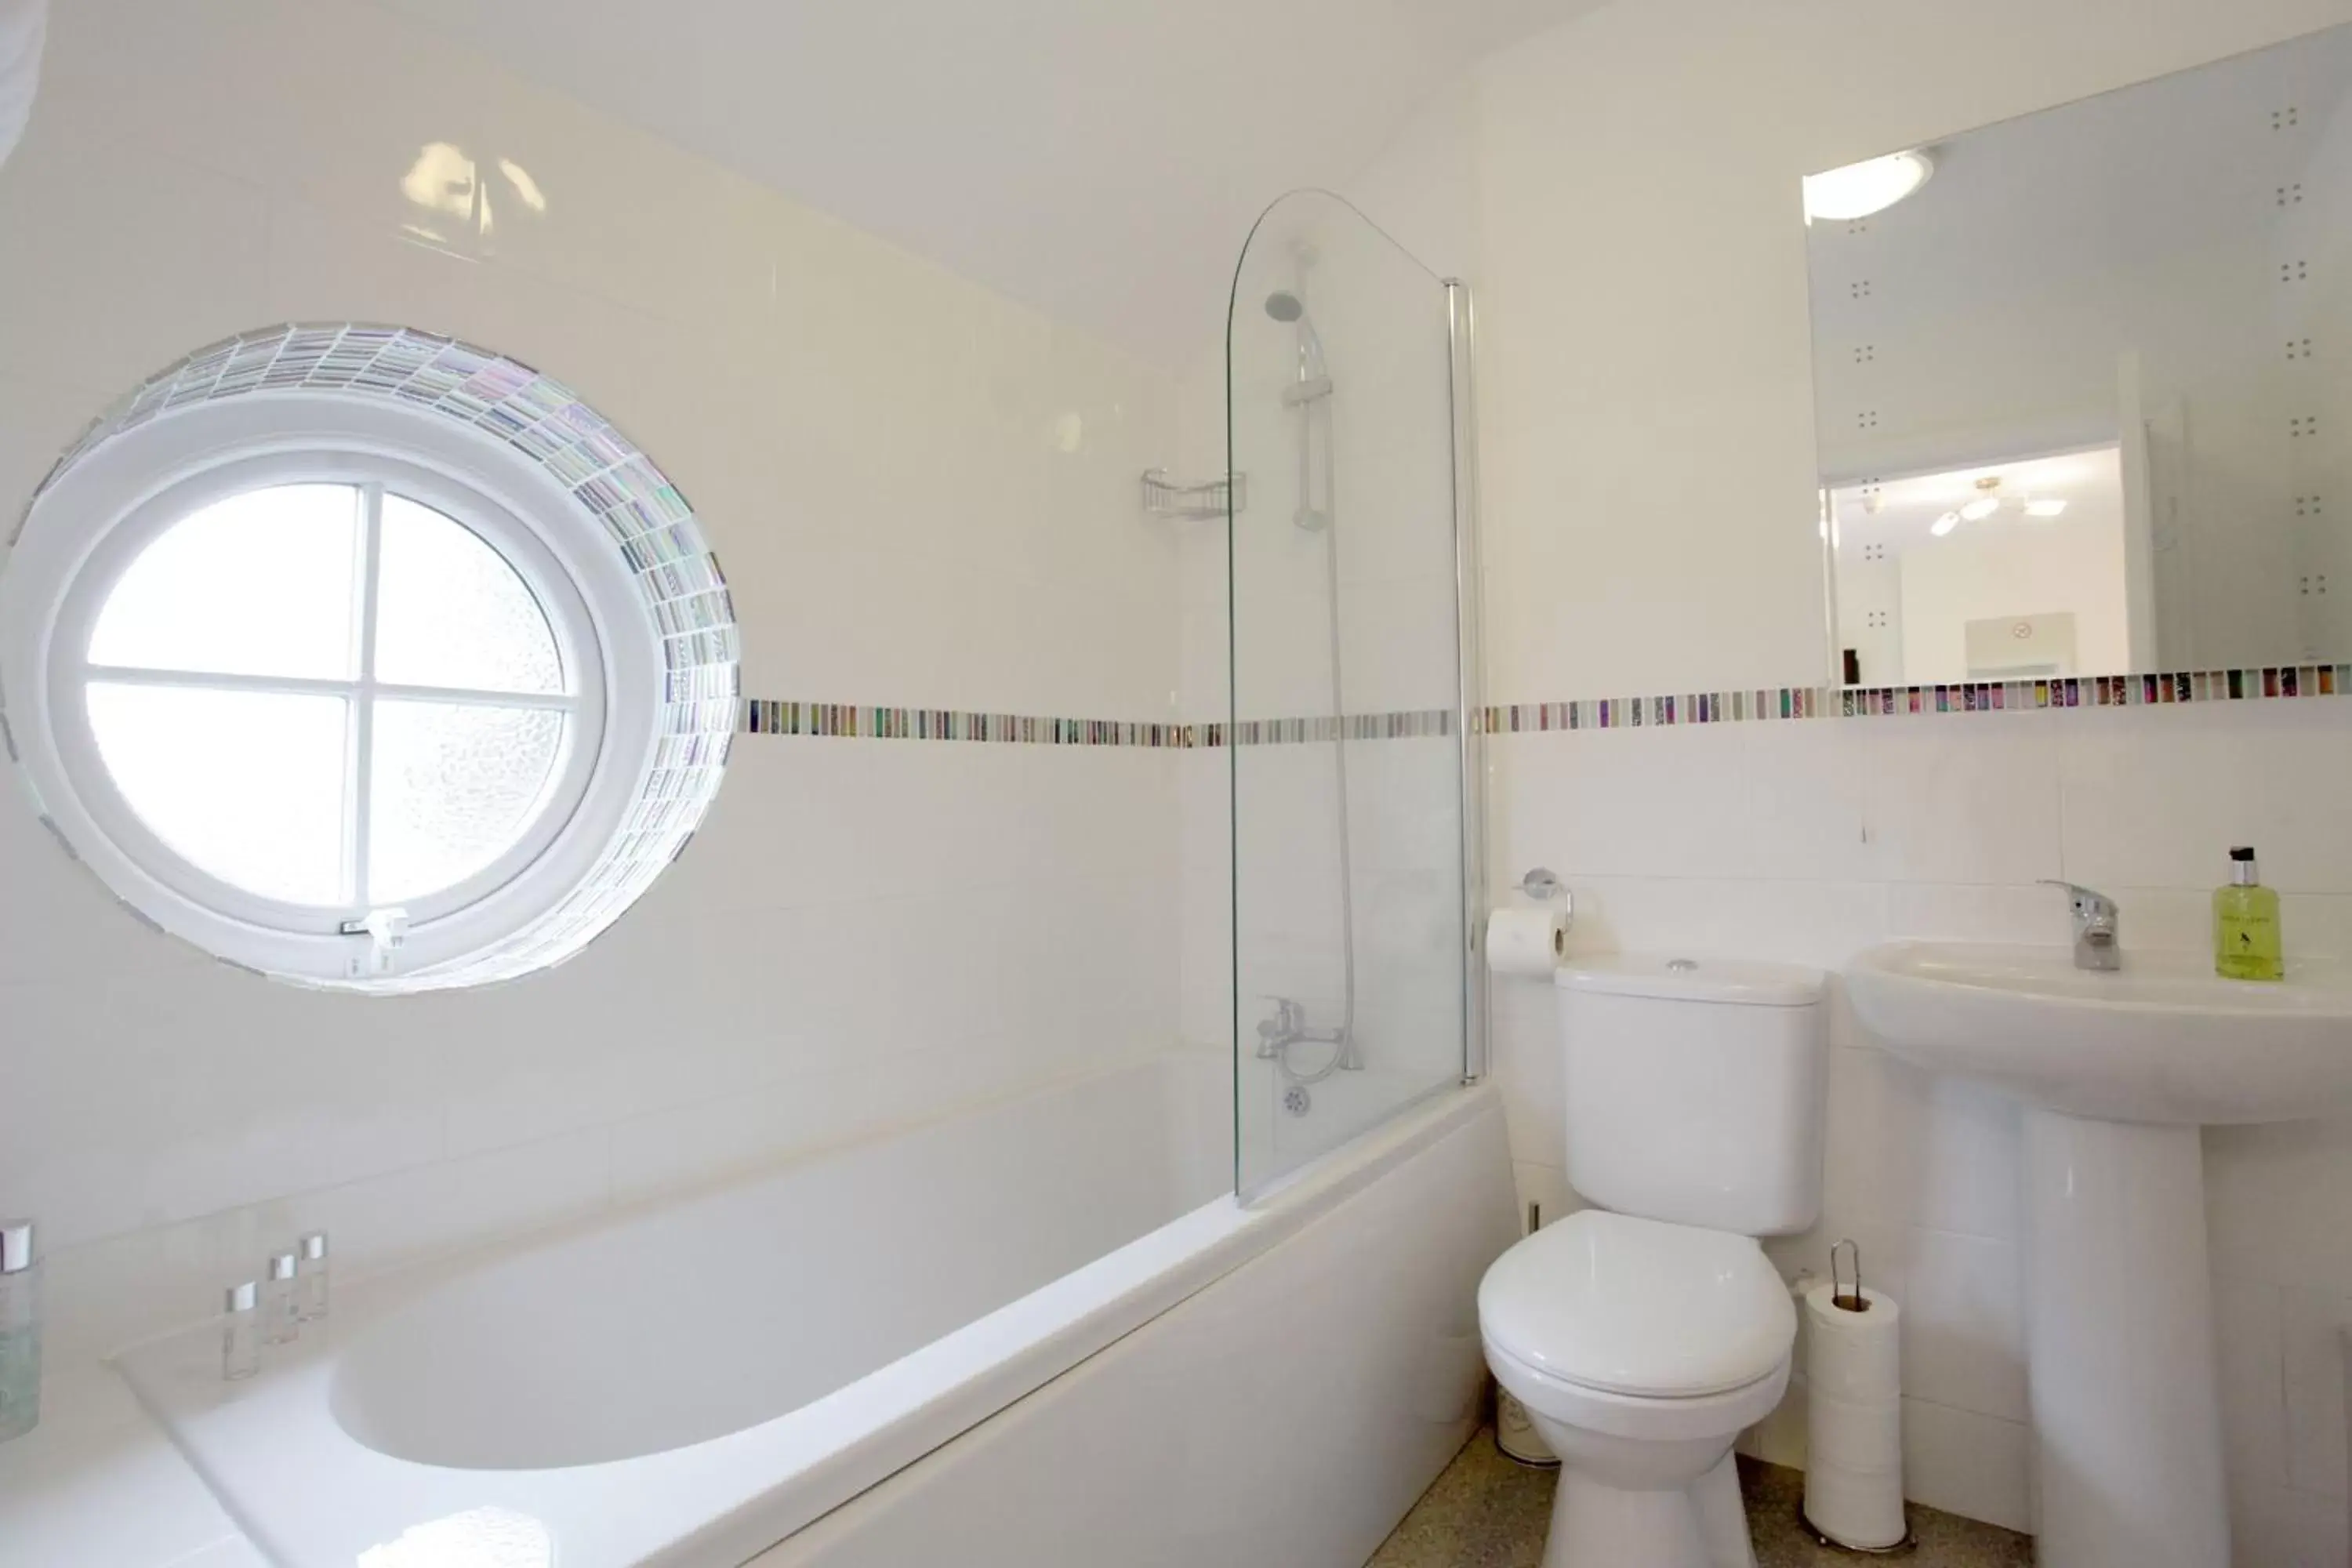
{"x": 1850, "y": 1301}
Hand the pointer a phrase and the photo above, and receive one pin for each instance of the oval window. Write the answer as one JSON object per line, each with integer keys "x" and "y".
{"x": 391, "y": 704}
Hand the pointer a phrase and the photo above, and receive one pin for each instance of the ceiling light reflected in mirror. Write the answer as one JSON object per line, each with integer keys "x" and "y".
{"x": 1858, "y": 189}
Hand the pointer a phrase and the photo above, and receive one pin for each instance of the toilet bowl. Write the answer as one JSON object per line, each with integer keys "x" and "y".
{"x": 1641, "y": 1350}
{"x": 1642, "y": 1336}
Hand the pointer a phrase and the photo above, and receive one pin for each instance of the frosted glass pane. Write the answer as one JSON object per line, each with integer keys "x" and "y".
{"x": 260, "y": 584}
{"x": 454, "y": 787}
{"x": 247, "y": 785}
{"x": 451, "y": 612}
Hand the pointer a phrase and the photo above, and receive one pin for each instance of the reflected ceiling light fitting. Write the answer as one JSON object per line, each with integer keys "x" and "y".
{"x": 2044, "y": 508}
{"x": 1945, "y": 524}
{"x": 1987, "y": 502}
{"x": 1861, "y": 189}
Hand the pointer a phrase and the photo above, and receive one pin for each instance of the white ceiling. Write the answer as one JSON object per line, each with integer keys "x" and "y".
{"x": 1099, "y": 159}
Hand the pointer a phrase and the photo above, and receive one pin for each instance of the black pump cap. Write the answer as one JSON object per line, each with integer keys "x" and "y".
{"x": 2243, "y": 852}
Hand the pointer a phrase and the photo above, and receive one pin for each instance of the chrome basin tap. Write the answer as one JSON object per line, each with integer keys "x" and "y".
{"x": 2097, "y": 940}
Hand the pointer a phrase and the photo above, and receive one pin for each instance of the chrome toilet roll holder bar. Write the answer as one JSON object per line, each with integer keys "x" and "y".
{"x": 1543, "y": 885}
{"x": 1840, "y": 1297}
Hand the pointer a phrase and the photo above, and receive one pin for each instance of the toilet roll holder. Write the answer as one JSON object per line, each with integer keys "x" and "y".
{"x": 1839, "y": 1297}
{"x": 1851, "y": 1302}
{"x": 1543, "y": 885}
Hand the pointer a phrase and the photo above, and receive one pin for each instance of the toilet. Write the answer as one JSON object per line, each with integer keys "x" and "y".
{"x": 1644, "y": 1335}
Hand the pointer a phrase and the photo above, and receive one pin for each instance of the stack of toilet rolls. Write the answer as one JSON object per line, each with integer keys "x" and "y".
{"x": 1854, "y": 1420}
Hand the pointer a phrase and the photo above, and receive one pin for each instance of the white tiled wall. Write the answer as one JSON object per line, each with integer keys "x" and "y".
{"x": 922, "y": 494}
{"x": 1626, "y": 202}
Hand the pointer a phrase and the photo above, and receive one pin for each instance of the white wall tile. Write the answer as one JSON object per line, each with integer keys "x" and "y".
{"x": 1807, "y": 812}
{"x": 2313, "y": 1362}
{"x": 2160, "y": 804}
{"x": 2275, "y": 1201}
{"x": 1816, "y": 923}
{"x": 2316, "y": 1531}
{"x": 1935, "y": 911}
{"x": 1909, "y": 1148}
{"x": 2278, "y": 1528}
{"x": 1969, "y": 800}
{"x": 1524, "y": 1037}
{"x": 86, "y": 226}
{"x": 58, "y": 925}
{"x": 1967, "y": 1464}
{"x": 1622, "y": 802}
{"x": 2247, "y": 1329}
{"x": 1963, "y": 1329}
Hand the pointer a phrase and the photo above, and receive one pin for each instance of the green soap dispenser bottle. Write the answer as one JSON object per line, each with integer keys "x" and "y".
{"x": 2246, "y": 924}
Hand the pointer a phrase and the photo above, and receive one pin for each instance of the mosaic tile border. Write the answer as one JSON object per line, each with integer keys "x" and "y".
{"x": 1782, "y": 702}
{"x": 760, "y": 717}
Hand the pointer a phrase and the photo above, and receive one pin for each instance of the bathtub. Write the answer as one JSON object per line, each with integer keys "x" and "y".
{"x": 859, "y": 1358}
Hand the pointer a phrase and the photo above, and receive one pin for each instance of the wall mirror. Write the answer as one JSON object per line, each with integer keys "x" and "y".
{"x": 2081, "y": 382}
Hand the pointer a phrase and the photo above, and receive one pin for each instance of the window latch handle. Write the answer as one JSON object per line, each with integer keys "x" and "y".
{"x": 386, "y": 931}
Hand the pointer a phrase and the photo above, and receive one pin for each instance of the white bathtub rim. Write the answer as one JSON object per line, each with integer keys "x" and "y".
{"x": 1151, "y": 1276}
{"x": 1059, "y": 1493}
{"x": 723, "y": 1507}
{"x": 698, "y": 1482}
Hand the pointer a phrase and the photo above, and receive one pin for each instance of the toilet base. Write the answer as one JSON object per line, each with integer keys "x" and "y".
{"x": 1595, "y": 1524}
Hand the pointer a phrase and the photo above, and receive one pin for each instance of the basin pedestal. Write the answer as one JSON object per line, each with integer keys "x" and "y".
{"x": 2120, "y": 1315}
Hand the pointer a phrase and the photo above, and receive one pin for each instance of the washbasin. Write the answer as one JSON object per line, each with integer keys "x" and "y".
{"x": 2163, "y": 1039}
{"x": 2117, "y": 1071}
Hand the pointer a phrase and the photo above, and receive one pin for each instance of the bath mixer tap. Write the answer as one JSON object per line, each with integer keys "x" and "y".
{"x": 2097, "y": 940}
{"x": 1290, "y": 1022}
{"x": 1288, "y": 1027}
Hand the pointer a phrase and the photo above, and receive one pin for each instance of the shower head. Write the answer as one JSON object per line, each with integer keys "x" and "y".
{"x": 1314, "y": 373}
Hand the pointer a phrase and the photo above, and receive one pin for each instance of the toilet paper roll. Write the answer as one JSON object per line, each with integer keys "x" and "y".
{"x": 1853, "y": 1355}
{"x": 1862, "y": 1509}
{"x": 1854, "y": 1420}
{"x": 1850, "y": 1435}
{"x": 1526, "y": 942}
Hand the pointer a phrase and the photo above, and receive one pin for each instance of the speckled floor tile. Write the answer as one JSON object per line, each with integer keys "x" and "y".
{"x": 1486, "y": 1511}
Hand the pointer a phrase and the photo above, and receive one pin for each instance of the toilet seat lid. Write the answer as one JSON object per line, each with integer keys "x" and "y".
{"x": 1639, "y": 1307}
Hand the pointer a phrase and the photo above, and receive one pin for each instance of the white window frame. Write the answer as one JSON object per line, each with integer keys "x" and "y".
{"x": 619, "y": 803}
{"x": 581, "y": 698}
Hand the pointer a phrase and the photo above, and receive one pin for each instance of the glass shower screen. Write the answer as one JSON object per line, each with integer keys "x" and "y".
{"x": 1353, "y": 985}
